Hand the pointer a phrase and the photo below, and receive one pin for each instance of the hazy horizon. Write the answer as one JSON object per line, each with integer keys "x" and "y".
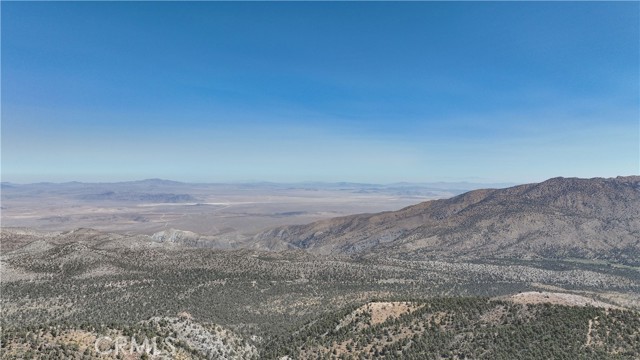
{"x": 248, "y": 182}
{"x": 295, "y": 92}
{"x": 470, "y": 181}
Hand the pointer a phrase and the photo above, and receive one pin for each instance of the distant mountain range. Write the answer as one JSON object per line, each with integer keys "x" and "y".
{"x": 162, "y": 183}
{"x": 558, "y": 218}
{"x": 139, "y": 197}
{"x": 168, "y": 191}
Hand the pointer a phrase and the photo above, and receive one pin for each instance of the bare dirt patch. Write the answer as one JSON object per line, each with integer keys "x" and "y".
{"x": 536, "y": 297}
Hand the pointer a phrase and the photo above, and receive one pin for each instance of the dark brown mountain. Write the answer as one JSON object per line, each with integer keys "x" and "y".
{"x": 558, "y": 218}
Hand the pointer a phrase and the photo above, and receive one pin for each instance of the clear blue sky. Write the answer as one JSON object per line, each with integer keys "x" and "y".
{"x": 284, "y": 91}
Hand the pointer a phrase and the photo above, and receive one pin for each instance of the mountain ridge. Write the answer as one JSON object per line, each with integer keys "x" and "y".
{"x": 594, "y": 218}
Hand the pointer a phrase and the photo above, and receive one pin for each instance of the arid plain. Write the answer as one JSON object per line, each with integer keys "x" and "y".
{"x": 235, "y": 210}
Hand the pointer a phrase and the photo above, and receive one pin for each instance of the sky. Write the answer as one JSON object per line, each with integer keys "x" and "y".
{"x": 374, "y": 92}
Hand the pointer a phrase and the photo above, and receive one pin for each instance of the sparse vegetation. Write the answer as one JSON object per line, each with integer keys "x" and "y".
{"x": 63, "y": 290}
{"x": 289, "y": 303}
{"x": 468, "y": 328}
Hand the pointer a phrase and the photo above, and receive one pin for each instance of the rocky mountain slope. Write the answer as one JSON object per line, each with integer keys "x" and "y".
{"x": 558, "y": 218}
